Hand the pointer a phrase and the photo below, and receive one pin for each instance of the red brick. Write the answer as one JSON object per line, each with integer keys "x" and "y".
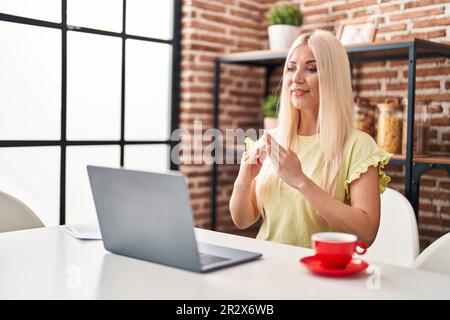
{"x": 201, "y": 47}
{"x": 378, "y": 74}
{"x": 251, "y": 6}
{"x": 315, "y": 3}
{"x": 422, "y": 35}
{"x": 203, "y": 26}
{"x": 434, "y": 108}
{"x": 434, "y": 221}
{"x": 444, "y": 184}
{"x": 427, "y": 207}
{"x": 231, "y": 21}
{"x": 430, "y": 232}
{"x": 355, "y": 4}
{"x": 362, "y": 13}
{"x": 427, "y": 182}
{"x": 394, "y": 27}
{"x": 197, "y": 90}
{"x": 433, "y": 134}
{"x": 419, "y": 85}
{"x": 431, "y": 23}
{"x": 329, "y": 18}
{"x": 395, "y": 7}
{"x": 371, "y": 64}
{"x": 307, "y": 13}
{"x": 417, "y": 14}
{"x": 368, "y": 86}
{"x": 247, "y": 15}
{"x": 248, "y": 46}
{"x": 423, "y": 3}
{"x": 249, "y": 34}
{"x": 216, "y": 7}
{"x": 433, "y": 97}
{"x": 251, "y": 73}
{"x": 209, "y": 38}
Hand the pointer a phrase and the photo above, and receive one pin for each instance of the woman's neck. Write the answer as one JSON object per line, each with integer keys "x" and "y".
{"x": 308, "y": 123}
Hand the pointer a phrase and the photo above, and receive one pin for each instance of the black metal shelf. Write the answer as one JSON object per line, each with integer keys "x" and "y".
{"x": 412, "y": 50}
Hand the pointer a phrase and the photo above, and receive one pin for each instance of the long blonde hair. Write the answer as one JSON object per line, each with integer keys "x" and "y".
{"x": 335, "y": 118}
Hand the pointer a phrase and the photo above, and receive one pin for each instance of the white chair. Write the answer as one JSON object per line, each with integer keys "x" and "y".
{"x": 15, "y": 215}
{"x": 397, "y": 240}
{"x": 436, "y": 257}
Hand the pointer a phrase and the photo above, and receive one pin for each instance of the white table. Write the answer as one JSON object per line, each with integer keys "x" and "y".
{"x": 48, "y": 264}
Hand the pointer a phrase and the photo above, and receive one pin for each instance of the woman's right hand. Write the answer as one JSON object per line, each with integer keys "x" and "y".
{"x": 251, "y": 164}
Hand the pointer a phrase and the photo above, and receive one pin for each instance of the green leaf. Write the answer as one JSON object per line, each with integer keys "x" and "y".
{"x": 287, "y": 15}
{"x": 270, "y": 107}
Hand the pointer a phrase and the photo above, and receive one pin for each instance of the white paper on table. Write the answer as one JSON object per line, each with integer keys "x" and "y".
{"x": 82, "y": 231}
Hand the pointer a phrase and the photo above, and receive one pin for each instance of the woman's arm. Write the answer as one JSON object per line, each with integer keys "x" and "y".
{"x": 243, "y": 208}
{"x": 361, "y": 218}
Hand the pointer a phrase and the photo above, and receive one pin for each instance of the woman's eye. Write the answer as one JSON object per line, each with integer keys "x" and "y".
{"x": 311, "y": 69}
{"x": 291, "y": 69}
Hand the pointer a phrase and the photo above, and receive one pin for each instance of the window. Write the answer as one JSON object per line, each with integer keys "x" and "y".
{"x": 84, "y": 82}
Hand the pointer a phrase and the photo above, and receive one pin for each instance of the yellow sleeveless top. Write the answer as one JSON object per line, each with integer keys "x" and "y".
{"x": 288, "y": 217}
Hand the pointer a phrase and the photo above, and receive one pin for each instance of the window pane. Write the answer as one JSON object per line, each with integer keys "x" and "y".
{"x": 147, "y": 158}
{"x": 96, "y": 14}
{"x": 147, "y": 111}
{"x": 151, "y": 18}
{"x": 48, "y": 10}
{"x": 79, "y": 202}
{"x": 93, "y": 86}
{"x": 31, "y": 174}
{"x": 30, "y": 82}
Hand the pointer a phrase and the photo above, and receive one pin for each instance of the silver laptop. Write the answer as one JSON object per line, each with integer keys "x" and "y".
{"x": 147, "y": 215}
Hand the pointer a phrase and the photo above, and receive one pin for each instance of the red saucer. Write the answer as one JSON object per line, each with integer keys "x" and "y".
{"x": 353, "y": 267}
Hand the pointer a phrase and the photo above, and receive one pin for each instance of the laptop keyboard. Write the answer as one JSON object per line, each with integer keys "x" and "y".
{"x": 206, "y": 259}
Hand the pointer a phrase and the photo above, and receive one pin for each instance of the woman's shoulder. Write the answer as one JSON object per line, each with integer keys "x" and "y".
{"x": 359, "y": 138}
{"x": 361, "y": 145}
{"x": 359, "y": 142}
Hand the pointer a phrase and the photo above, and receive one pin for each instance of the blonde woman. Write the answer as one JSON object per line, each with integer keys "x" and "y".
{"x": 315, "y": 172}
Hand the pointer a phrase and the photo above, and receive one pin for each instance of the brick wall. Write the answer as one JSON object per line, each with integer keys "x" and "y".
{"x": 215, "y": 27}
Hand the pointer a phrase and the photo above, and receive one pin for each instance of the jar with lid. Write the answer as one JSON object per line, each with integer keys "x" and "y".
{"x": 365, "y": 116}
{"x": 390, "y": 125}
{"x": 421, "y": 130}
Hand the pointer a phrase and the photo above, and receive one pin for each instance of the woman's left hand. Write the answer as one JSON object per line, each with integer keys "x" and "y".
{"x": 286, "y": 162}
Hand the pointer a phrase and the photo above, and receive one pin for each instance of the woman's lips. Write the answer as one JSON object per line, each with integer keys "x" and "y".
{"x": 298, "y": 92}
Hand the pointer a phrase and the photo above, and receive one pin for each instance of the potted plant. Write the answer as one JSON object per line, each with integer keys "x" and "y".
{"x": 270, "y": 111}
{"x": 284, "y": 26}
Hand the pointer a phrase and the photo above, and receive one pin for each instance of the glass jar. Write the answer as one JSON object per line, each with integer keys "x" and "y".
{"x": 365, "y": 116}
{"x": 390, "y": 126}
{"x": 421, "y": 128}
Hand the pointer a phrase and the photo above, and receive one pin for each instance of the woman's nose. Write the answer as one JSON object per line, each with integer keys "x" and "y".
{"x": 298, "y": 77}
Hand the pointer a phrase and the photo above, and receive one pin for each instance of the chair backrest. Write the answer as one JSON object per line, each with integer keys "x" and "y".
{"x": 15, "y": 215}
{"x": 436, "y": 257}
{"x": 397, "y": 240}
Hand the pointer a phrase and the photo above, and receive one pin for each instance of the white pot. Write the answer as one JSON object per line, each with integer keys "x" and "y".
{"x": 270, "y": 123}
{"x": 282, "y": 36}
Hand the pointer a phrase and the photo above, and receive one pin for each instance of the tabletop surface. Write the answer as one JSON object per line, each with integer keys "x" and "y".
{"x": 46, "y": 263}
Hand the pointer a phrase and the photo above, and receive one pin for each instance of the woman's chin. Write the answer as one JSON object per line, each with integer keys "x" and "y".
{"x": 297, "y": 104}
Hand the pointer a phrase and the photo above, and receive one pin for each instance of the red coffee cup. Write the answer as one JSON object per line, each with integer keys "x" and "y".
{"x": 335, "y": 249}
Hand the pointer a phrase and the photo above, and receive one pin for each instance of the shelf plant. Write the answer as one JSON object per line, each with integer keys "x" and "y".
{"x": 284, "y": 26}
{"x": 270, "y": 111}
